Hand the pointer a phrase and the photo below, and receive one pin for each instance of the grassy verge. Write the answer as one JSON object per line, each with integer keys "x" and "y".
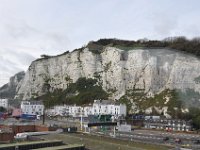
{"x": 103, "y": 143}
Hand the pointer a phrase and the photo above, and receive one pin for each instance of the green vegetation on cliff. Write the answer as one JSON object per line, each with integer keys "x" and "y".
{"x": 174, "y": 100}
{"x": 84, "y": 91}
{"x": 167, "y": 98}
{"x": 179, "y": 43}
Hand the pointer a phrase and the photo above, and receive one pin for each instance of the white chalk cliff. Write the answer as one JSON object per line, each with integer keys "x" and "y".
{"x": 118, "y": 70}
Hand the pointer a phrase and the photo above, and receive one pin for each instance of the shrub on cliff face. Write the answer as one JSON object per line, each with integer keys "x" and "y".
{"x": 194, "y": 116}
{"x": 84, "y": 91}
{"x": 142, "y": 102}
{"x": 83, "y": 84}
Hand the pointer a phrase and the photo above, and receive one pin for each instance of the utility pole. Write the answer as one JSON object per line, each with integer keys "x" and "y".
{"x": 43, "y": 118}
{"x": 81, "y": 119}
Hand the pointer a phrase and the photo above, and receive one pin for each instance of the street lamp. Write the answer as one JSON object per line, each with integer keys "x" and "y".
{"x": 81, "y": 118}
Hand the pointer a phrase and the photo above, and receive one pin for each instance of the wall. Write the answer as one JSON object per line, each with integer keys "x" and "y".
{"x": 22, "y": 128}
{"x": 6, "y": 137}
{"x": 44, "y": 128}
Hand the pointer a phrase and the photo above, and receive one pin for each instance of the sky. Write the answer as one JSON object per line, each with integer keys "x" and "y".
{"x": 30, "y": 28}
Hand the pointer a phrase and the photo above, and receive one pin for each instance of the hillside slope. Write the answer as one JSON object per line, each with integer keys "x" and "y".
{"x": 10, "y": 89}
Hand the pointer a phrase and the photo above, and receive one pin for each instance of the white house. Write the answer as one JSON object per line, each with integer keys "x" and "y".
{"x": 32, "y": 107}
{"x": 4, "y": 103}
{"x": 62, "y": 110}
{"x": 75, "y": 111}
{"x": 108, "y": 108}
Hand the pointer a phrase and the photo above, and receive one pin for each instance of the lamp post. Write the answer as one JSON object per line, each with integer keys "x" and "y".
{"x": 81, "y": 119}
{"x": 43, "y": 118}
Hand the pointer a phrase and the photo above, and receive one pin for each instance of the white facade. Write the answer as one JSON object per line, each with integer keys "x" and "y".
{"x": 65, "y": 110}
{"x": 108, "y": 108}
{"x": 32, "y": 107}
{"x": 75, "y": 111}
{"x": 4, "y": 103}
{"x": 98, "y": 108}
{"x": 88, "y": 110}
{"x": 58, "y": 110}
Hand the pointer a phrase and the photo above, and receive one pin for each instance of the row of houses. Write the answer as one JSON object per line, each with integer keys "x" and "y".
{"x": 170, "y": 125}
{"x": 99, "y": 107}
{"x": 156, "y": 122}
{"x": 160, "y": 122}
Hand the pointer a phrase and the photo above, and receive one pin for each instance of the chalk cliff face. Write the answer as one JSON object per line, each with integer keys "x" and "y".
{"x": 152, "y": 70}
{"x": 10, "y": 89}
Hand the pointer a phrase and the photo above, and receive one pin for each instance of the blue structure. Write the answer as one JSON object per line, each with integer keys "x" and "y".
{"x": 28, "y": 117}
{"x": 138, "y": 117}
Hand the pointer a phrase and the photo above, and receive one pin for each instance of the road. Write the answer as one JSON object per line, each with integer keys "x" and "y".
{"x": 145, "y": 136}
{"x": 159, "y": 137}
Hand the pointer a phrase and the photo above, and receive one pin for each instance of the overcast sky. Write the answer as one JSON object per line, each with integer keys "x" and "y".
{"x": 29, "y": 28}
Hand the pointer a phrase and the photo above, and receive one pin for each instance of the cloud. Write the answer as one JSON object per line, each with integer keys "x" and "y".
{"x": 8, "y": 68}
{"x": 19, "y": 57}
{"x": 20, "y": 30}
{"x": 164, "y": 25}
{"x": 22, "y": 43}
{"x": 12, "y": 62}
{"x": 31, "y": 28}
{"x": 22, "y": 34}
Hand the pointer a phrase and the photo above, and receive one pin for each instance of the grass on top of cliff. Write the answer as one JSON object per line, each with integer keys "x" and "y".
{"x": 83, "y": 91}
{"x": 179, "y": 43}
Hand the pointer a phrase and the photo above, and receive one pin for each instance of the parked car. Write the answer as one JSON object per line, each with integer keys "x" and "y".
{"x": 197, "y": 142}
{"x": 178, "y": 140}
{"x": 166, "y": 138}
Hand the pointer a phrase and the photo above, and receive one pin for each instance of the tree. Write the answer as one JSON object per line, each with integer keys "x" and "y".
{"x": 2, "y": 109}
{"x": 196, "y": 122}
{"x": 84, "y": 91}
